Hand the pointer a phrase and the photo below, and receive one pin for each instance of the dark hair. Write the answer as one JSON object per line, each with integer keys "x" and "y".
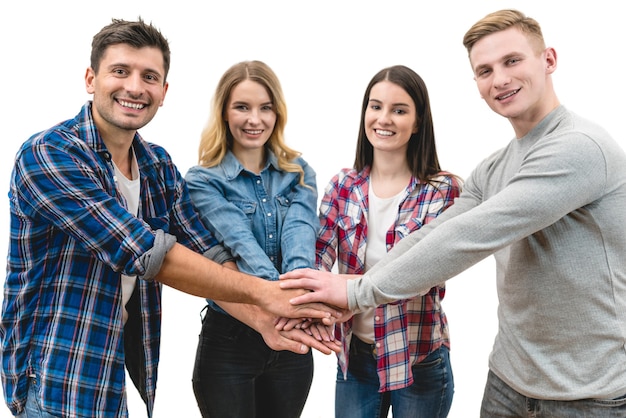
{"x": 421, "y": 153}
{"x": 137, "y": 34}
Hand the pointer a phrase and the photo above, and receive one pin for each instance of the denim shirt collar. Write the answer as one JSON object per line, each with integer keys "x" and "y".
{"x": 232, "y": 167}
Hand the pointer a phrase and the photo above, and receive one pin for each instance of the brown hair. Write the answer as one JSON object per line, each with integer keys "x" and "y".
{"x": 137, "y": 34}
{"x": 421, "y": 153}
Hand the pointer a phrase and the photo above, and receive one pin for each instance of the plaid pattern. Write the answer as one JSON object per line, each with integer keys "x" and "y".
{"x": 406, "y": 331}
{"x": 71, "y": 237}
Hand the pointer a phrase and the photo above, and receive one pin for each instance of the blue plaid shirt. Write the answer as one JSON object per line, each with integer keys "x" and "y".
{"x": 71, "y": 239}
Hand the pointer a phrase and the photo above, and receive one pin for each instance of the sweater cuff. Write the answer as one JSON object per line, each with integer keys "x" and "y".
{"x": 353, "y": 304}
{"x": 219, "y": 254}
{"x": 152, "y": 260}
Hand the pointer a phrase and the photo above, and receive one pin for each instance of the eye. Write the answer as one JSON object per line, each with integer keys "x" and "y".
{"x": 268, "y": 108}
{"x": 513, "y": 61}
{"x": 241, "y": 107}
{"x": 399, "y": 111}
{"x": 119, "y": 71}
{"x": 375, "y": 107}
{"x": 151, "y": 77}
{"x": 483, "y": 73}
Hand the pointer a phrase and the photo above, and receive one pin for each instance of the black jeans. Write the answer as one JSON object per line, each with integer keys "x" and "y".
{"x": 237, "y": 375}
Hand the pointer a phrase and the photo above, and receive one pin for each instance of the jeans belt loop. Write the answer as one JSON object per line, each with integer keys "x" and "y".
{"x": 359, "y": 346}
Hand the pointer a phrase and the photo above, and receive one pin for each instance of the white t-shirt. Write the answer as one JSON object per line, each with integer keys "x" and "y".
{"x": 130, "y": 189}
{"x": 381, "y": 216}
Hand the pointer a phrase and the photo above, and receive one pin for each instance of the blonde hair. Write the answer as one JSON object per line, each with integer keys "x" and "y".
{"x": 216, "y": 138}
{"x": 502, "y": 20}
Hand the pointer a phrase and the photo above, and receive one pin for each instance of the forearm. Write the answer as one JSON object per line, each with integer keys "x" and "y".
{"x": 196, "y": 275}
{"x": 251, "y": 315}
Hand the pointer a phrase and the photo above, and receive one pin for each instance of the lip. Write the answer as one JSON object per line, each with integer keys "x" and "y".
{"x": 131, "y": 105}
{"x": 252, "y": 132}
{"x": 507, "y": 95}
{"x": 384, "y": 133}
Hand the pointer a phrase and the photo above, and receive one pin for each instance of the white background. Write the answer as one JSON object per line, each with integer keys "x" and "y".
{"x": 325, "y": 53}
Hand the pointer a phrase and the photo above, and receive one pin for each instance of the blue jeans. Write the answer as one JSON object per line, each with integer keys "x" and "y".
{"x": 33, "y": 408}
{"x": 430, "y": 395}
{"x": 237, "y": 375}
{"x": 501, "y": 401}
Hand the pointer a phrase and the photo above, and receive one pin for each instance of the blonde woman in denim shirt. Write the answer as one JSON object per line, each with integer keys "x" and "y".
{"x": 259, "y": 198}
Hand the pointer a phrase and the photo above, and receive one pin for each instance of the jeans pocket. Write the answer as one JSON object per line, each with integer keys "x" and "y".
{"x": 222, "y": 328}
{"x": 434, "y": 359}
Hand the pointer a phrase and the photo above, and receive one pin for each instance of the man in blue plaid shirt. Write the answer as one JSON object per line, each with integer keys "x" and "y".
{"x": 100, "y": 219}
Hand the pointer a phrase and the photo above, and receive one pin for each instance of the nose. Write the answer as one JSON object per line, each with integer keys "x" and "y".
{"x": 500, "y": 78}
{"x": 253, "y": 117}
{"x": 134, "y": 84}
{"x": 384, "y": 117}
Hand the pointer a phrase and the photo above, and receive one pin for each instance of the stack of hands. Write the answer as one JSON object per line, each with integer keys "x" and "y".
{"x": 309, "y": 304}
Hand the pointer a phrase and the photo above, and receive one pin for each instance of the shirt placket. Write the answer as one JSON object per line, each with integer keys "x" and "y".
{"x": 269, "y": 214}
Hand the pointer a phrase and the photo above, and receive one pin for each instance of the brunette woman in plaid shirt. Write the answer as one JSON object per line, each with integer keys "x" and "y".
{"x": 396, "y": 355}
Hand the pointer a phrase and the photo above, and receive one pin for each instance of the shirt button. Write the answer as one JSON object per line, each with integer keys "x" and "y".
{"x": 258, "y": 181}
{"x": 269, "y": 214}
{"x": 264, "y": 200}
{"x": 271, "y": 236}
{"x": 377, "y": 318}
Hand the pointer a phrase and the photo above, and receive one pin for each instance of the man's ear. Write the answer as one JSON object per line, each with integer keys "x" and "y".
{"x": 550, "y": 58}
{"x": 90, "y": 76}
{"x": 165, "y": 87}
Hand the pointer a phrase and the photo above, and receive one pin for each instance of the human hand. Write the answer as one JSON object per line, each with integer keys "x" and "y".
{"x": 297, "y": 340}
{"x": 325, "y": 287}
{"x": 276, "y": 300}
{"x": 286, "y": 324}
{"x": 321, "y": 332}
{"x": 322, "y": 343}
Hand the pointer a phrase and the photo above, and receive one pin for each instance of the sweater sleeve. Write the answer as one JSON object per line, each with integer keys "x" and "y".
{"x": 505, "y": 199}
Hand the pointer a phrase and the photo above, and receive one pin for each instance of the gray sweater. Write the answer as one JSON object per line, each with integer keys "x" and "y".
{"x": 551, "y": 207}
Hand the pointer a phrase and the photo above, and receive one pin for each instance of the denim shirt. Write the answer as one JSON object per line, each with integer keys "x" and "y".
{"x": 268, "y": 221}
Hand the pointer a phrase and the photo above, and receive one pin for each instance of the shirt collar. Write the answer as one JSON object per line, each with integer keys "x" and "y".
{"x": 232, "y": 167}
{"x": 86, "y": 130}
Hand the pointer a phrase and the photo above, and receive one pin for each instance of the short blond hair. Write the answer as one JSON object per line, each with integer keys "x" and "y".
{"x": 502, "y": 20}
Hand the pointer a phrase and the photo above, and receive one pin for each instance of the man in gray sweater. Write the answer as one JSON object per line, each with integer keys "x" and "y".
{"x": 551, "y": 208}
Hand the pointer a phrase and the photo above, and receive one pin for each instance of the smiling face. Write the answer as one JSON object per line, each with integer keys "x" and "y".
{"x": 250, "y": 116}
{"x": 390, "y": 118}
{"x": 512, "y": 73}
{"x": 128, "y": 88}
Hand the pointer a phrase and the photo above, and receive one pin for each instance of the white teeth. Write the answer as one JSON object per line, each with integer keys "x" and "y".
{"x": 136, "y": 106}
{"x": 508, "y": 95}
{"x": 252, "y": 132}
{"x": 386, "y": 133}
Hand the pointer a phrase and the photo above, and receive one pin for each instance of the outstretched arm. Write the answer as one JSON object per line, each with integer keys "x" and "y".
{"x": 295, "y": 340}
{"x": 190, "y": 272}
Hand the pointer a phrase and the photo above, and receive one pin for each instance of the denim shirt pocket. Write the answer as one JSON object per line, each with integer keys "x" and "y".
{"x": 248, "y": 208}
{"x": 283, "y": 204}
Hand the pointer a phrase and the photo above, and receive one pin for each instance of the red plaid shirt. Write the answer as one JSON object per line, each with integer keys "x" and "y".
{"x": 407, "y": 331}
